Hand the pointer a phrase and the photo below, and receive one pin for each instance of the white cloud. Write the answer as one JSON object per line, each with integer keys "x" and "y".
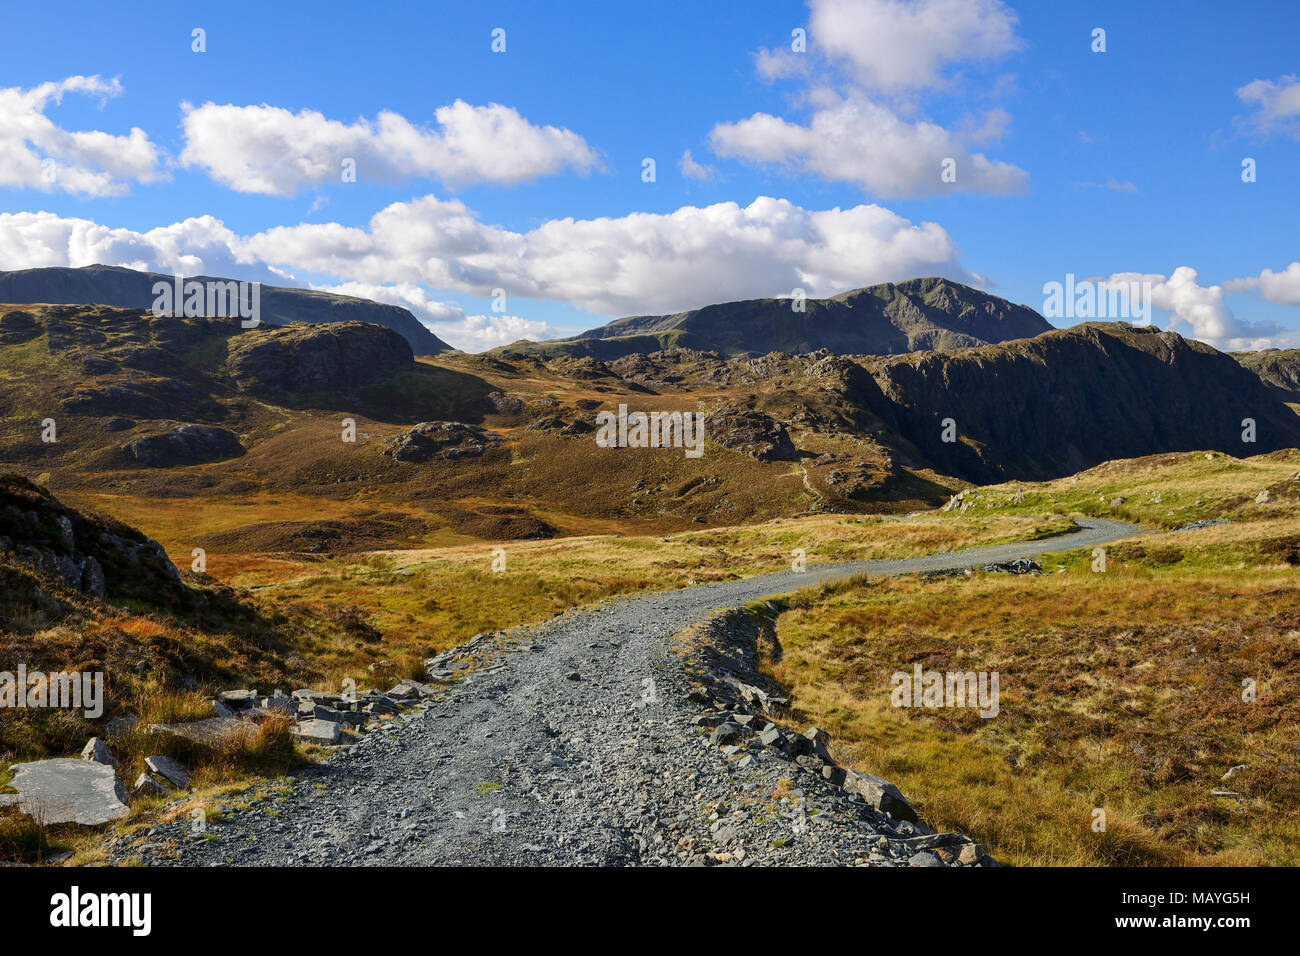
{"x": 892, "y": 44}
{"x": 1280, "y": 287}
{"x": 36, "y": 153}
{"x": 1201, "y": 311}
{"x": 693, "y": 170}
{"x": 478, "y": 333}
{"x": 643, "y": 262}
{"x": 269, "y": 150}
{"x": 1276, "y": 105}
{"x": 852, "y": 139}
{"x": 876, "y": 58}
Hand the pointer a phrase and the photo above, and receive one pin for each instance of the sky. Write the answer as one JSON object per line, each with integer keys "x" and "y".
{"x": 527, "y": 170}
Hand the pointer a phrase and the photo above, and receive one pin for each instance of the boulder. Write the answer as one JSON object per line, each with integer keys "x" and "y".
{"x": 67, "y": 790}
{"x": 880, "y": 794}
{"x": 184, "y": 445}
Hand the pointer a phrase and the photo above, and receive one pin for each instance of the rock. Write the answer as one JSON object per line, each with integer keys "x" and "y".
{"x": 726, "y": 733}
{"x": 98, "y": 751}
{"x": 925, "y": 858}
{"x": 1263, "y": 497}
{"x": 817, "y": 735}
{"x": 280, "y": 703}
{"x": 119, "y": 727}
{"x": 1018, "y": 566}
{"x": 67, "y": 790}
{"x": 185, "y": 445}
{"x": 316, "y": 358}
{"x": 969, "y": 854}
{"x": 448, "y": 440}
{"x": 880, "y": 794}
{"x": 1116, "y": 502}
{"x": 173, "y": 771}
{"x": 411, "y": 688}
{"x": 1233, "y": 771}
{"x": 147, "y": 786}
{"x": 321, "y": 732}
{"x": 212, "y": 731}
{"x": 238, "y": 699}
{"x": 752, "y": 433}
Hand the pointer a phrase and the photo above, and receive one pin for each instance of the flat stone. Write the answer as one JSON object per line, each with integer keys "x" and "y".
{"x": 925, "y": 858}
{"x": 67, "y": 790}
{"x": 239, "y": 698}
{"x": 325, "y": 732}
{"x": 173, "y": 771}
{"x": 211, "y": 731}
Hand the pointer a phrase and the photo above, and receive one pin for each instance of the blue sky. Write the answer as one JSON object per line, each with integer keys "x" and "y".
{"x": 1068, "y": 161}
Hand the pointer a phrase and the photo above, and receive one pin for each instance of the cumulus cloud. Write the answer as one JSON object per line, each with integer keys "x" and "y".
{"x": 637, "y": 263}
{"x": 852, "y": 139}
{"x": 896, "y": 44}
{"x": 867, "y": 66}
{"x": 268, "y": 150}
{"x": 36, "y": 153}
{"x": 643, "y": 262}
{"x": 1280, "y": 287}
{"x": 1201, "y": 312}
{"x": 447, "y": 320}
{"x": 1276, "y": 105}
{"x": 693, "y": 170}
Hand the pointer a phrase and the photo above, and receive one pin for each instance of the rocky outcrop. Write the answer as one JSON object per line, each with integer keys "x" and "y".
{"x": 307, "y": 359}
{"x": 752, "y": 433}
{"x": 1279, "y": 369}
{"x": 96, "y": 555}
{"x": 447, "y": 440}
{"x": 184, "y": 445}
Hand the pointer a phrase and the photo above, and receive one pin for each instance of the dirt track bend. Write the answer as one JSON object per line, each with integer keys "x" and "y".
{"x": 547, "y": 755}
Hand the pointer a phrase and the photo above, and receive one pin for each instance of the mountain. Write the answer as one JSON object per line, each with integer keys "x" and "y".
{"x": 128, "y": 288}
{"x": 1073, "y": 398}
{"x": 888, "y": 319}
{"x": 1277, "y": 368}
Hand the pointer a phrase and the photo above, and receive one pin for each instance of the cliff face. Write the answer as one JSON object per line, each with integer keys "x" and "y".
{"x": 127, "y": 288}
{"x": 1072, "y": 398}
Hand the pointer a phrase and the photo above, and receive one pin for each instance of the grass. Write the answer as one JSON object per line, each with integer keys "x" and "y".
{"x": 1120, "y": 690}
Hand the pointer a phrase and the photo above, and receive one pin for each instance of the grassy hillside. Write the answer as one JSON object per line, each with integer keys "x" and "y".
{"x": 1120, "y": 690}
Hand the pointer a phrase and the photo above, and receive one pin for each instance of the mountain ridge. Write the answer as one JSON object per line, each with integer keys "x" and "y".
{"x": 280, "y": 305}
{"x": 885, "y": 319}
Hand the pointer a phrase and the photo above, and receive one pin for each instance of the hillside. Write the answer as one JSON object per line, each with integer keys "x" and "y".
{"x": 130, "y": 289}
{"x": 887, "y": 319}
{"x": 1072, "y": 398}
{"x": 1277, "y": 368}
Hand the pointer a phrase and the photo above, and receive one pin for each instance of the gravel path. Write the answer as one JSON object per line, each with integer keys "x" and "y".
{"x": 547, "y": 752}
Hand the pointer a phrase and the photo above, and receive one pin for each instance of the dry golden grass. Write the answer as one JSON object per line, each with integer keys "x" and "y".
{"x": 1120, "y": 690}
